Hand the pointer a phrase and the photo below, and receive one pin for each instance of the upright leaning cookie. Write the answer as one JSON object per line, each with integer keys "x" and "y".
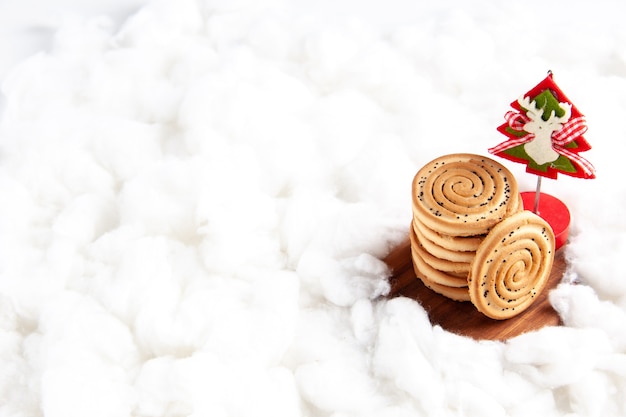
{"x": 512, "y": 265}
{"x": 464, "y": 194}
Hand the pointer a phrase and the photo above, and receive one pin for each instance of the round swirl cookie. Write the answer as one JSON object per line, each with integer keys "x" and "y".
{"x": 464, "y": 194}
{"x": 512, "y": 265}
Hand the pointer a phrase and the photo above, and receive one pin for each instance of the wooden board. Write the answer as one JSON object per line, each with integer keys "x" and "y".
{"x": 462, "y": 317}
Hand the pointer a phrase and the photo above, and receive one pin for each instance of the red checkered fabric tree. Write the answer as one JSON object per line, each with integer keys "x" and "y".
{"x": 545, "y": 131}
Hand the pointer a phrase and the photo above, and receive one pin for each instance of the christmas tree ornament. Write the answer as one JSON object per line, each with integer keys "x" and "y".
{"x": 545, "y": 132}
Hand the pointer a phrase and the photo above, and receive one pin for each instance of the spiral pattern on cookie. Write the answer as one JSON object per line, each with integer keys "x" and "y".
{"x": 464, "y": 194}
{"x": 512, "y": 265}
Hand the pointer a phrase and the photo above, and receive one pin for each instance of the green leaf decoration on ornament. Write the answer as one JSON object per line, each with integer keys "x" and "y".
{"x": 562, "y": 163}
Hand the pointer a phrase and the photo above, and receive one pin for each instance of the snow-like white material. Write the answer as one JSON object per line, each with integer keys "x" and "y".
{"x": 195, "y": 205}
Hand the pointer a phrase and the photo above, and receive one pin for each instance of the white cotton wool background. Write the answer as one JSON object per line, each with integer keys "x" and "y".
{"x": 197, "y": 195}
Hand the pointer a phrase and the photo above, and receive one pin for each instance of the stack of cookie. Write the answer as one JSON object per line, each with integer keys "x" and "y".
{"x": 457, "y": 200}
{"x": 471, "y": 239}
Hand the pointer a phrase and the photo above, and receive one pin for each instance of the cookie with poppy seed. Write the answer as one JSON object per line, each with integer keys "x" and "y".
{"x": 512, "y": 265}
{"x": 464, "y": 194}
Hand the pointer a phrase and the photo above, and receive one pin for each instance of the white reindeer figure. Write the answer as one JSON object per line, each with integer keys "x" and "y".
{"x": 540, "y": 147}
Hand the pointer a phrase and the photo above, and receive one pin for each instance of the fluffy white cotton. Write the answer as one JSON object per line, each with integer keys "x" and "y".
{"x": 197, "y": 198}
{"x": 579, "y": 307}
{"x": 404, "y": 356}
